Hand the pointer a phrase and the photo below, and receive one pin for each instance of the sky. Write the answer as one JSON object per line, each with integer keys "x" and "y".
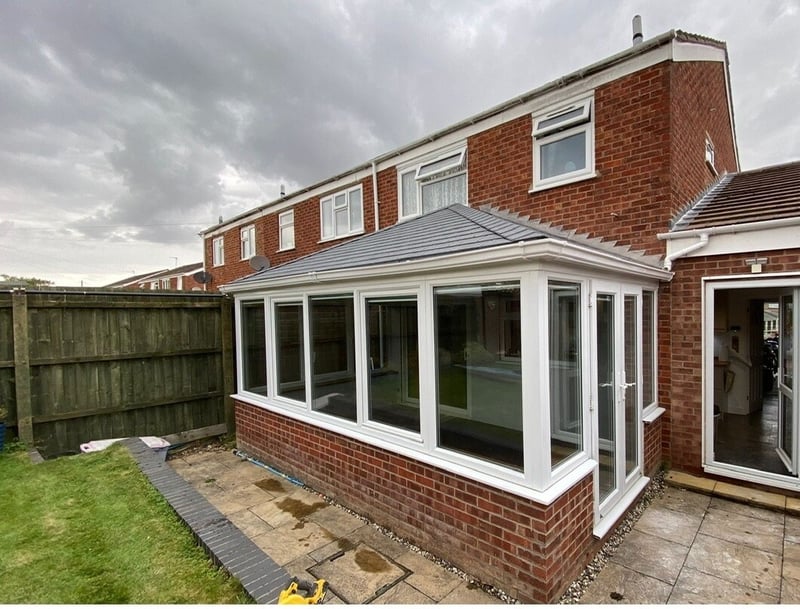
{"x": 126, "y": 128}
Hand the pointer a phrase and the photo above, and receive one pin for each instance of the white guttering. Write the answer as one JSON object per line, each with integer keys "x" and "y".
{"x": 727, "y": 229}
{"x": 375, "y": 195}
{"x": 687, "y": 250}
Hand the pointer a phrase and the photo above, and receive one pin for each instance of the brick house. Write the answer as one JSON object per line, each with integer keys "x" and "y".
{"x": 183, "y": 278}
{"x": 488, "y": 340}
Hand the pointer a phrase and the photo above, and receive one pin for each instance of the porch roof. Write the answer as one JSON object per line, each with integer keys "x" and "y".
{"x": 760, "y": 195}
{"x": 452, "y": 230}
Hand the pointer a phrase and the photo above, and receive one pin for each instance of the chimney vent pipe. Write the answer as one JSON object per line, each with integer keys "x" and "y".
{"x": 638, "y": 37}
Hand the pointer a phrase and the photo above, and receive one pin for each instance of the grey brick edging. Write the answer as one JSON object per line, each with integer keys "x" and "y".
{"x": 229, "y": 548}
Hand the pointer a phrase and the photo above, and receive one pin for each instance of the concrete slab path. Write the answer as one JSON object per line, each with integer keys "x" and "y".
{"x": 703, "y": 542}
{"x": 312, "y": 539}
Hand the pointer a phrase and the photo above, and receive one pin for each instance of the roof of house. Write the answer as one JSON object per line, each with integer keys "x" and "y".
{"x": 769, "y": 193}
{"x": 451, "y": 230}
{"x": 559, "y": 83}
{"x": 153, "y": 275}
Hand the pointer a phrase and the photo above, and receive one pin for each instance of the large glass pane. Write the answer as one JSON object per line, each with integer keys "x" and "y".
{"x": 333, "y": 384}
{"x": 786, "y": 342}
{"x": 562, "y": 156}
{"x": 356, "y": 220}
{"x": 289, "y": 356}
{"x": 442, "y": 193}
{"x": 566, "y": 419}
{"x": 631, "y": 393}
{"x": 648, "y": 348}
{"x": 326, "y": 212}
{"x": 479, "y": 387}
{"x": 409, "y": 187}
{"x": 787, "y": 423}
{"x": 254, "y": 348}
{"x": 393, "y": 363}
{"x": 606, "y": 388}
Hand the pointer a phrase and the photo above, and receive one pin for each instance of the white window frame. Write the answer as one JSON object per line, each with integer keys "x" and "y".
{"x": 558, "y": 123}
{"x": 418, "y": 167}
{"x": 218, "y": 251}
{"x": 334, "y": 207}
{"x": 165, "y": 284}
{"x": 247, "y": 236}
{"x": 286, "y": 224}
{"x": 710, "y": 155}
{"x": 154, "y": 285}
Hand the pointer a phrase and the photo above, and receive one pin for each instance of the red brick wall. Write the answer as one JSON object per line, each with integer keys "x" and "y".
{"x": 530, "y": 550}
{"x": 683, "y": 444}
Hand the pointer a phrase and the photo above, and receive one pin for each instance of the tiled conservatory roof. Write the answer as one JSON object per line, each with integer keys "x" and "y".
{"x": 452, "y": 230}
{"x": 769, "y": 193}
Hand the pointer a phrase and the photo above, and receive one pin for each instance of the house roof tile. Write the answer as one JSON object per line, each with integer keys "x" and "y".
{"x": 769, "y": 193}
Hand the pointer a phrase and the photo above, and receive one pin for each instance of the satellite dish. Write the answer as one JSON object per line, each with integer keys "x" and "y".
{"x": 202, "y": 277}
{"x": 259, "y": 263}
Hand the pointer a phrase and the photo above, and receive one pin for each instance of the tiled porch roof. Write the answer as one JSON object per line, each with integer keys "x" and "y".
{"x": 769, "y": 193}
{"x": 452, "y": 230}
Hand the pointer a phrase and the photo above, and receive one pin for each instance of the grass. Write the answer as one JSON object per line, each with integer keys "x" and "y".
{"x": 91, "y": 529}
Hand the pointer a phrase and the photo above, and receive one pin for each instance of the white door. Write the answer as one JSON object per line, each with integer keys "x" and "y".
{"x": 788, "y": 420}
{"x": 616, "y": 392}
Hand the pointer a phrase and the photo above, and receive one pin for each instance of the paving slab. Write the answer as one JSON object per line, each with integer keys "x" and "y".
{"x": 428, "y": 577}
{"x": 290, "y": 541}
{"x": 669, "y": 524}
{"x": 683, "y": 501}
{"x": 618, "y": 585}
{"x": 791, "y": 561}
{"x": 746, "y": 530}
{"x": 790, "y": 592}
{"x": 651, "y": 555}
{"x": 403, "y": 594}
{"x": 746, "y": 509}
{"x": 469, "y": 594}
{"x": 360, "y": 574}
{"x": 695, "y": 587}
{"x": 336, "y": 520}
{"x": 737, "y": 564}
{"x": 791, "y": 529}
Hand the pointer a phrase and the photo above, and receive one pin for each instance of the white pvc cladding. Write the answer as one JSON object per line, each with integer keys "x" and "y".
{"x": 531, "y": 271}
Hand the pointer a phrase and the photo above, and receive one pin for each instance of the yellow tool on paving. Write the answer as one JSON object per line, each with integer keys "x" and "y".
{"x": 303, "y": 593}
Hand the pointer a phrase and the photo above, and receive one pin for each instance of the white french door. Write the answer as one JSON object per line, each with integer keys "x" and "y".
{"x": 616, "y": 392}
{"x": 788, "y": 420}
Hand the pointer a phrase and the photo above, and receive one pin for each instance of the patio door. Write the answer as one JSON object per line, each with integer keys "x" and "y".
{"x": 788, "y": 420}
{"x": 616, "y": 393}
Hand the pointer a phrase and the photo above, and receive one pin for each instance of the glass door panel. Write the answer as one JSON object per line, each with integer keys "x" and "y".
{"x": 787, "y": 419}
{"x": 630, "y": 386}
{"x": 606, "y": 392}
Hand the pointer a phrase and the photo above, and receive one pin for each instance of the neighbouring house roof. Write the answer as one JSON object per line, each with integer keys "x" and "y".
{"x": 131, "y": 280}
{"x": 452, "y": 230}
{"x": 186, "y": 269}
{"x": 759, "y": 195}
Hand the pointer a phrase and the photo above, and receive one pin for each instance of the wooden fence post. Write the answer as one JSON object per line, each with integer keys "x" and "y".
{"x": 22, "y": 367}
{"x": 228, "y": 354}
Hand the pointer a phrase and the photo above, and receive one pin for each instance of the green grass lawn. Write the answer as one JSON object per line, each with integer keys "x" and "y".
{"x": 91, "y": 529}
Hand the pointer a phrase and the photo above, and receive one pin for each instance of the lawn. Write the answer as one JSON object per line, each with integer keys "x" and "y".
{"x": 91, "y": 529}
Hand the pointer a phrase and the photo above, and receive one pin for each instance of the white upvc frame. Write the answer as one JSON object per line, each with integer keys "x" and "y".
{"x": 556, "y": 124}
{"x": 710, "y": 285}
{"x": 423, "y": 173}
{"x": 329, "y": 205}
{"x": 218, "y": 251}
{"x": 286, "y": 227}
{"x": 536, "y": 481}
{"x": 247, "y": 237}
{"x": 165, "y": 283}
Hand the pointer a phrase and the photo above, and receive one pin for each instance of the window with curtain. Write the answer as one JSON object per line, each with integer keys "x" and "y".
{"x": 434, "y": 184}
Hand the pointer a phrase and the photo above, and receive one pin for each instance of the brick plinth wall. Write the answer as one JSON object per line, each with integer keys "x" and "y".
{"x": 652, "y": 447}
{"x": 531, "y": 551}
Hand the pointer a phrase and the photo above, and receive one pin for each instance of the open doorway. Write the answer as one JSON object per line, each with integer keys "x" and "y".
{"x": 753, "y": 427}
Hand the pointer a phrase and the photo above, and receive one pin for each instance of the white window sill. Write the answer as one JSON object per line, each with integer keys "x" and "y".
{"x": 337, "y": 237}
{"x": 653, "y": 415}
{"x": 285, "y": 249}
{"x": 564, "y": 182}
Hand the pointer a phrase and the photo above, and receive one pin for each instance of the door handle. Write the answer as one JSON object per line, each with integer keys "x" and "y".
{"x": 626, "y": 385}
{"x": 606, "y": 385}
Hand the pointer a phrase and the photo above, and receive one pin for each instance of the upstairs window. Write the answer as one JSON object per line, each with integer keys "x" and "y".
{"x": 341, "y": 214}
{"x": 165, "y": 284}
{"x": 218, "y": 251}
{"x": 286, "y": 230}
{"x": 710, "y": 155}
{"x": 248, "y": 235}
{"x": 434, "y": 183}
{"x": 563, "y": 149}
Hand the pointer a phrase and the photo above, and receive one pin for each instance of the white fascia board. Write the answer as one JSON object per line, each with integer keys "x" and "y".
{"x": 545, "y": 250}
{"x": 694, "y": 51}
{"x": 737, "y": 239}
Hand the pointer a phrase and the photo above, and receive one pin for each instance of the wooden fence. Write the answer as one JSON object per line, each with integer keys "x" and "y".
{"x": 87, "y": 365}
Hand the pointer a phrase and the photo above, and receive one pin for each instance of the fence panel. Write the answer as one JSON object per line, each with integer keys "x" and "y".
{"x": 99, "y": 364}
